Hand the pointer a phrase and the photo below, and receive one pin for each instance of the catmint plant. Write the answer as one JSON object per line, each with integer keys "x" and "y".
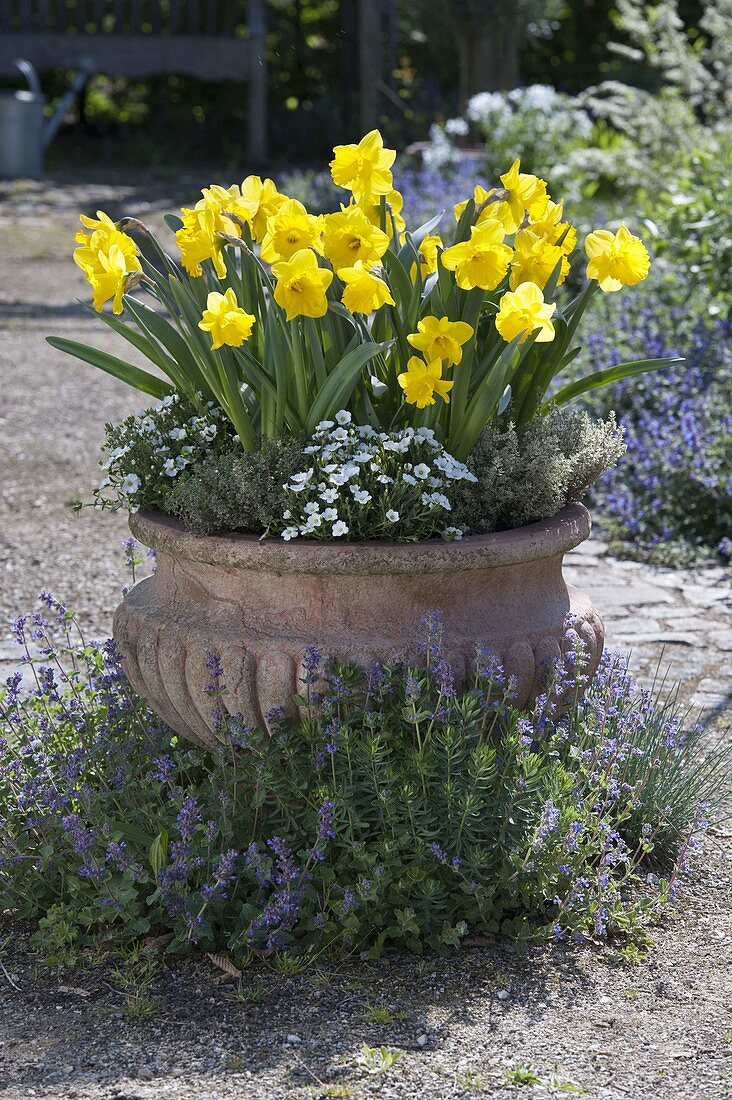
{"x": 404, "y": 808}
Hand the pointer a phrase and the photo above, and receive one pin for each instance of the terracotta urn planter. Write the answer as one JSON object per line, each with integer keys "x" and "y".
{"x": 258, "y": 604}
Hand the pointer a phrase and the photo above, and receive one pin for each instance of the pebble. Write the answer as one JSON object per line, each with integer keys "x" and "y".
{"x": 503, "y": 995}
{"x": 423, "y": 1040}
{"x": 293, "y": 1040}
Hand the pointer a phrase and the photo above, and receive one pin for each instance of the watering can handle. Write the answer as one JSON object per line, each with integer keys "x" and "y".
{"x": 29, "y": 73}
{"x": 85, "y": 67}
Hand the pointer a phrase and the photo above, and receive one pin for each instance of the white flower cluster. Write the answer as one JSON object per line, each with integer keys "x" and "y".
{"x": 152, "y": 449}
{"x": 536, "y": 123}
{"x": 364, "y": 484}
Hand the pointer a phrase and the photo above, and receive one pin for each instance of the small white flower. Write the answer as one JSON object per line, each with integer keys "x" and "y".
{"x": 439, "y": 500}
{"x": 287, "y": 514}
{"x": 299, "y": 481}
{"x": 452, "y": 534}
{"x": 361, "y": 496}
{"x": 177, "y": 433}
{"x": 181, "y": 462}
{"x": 330, "y": 468}
{"x": 362, "y": 456}
{"x": 329, "y": 496}
{"x": 409, "y": 479}
{"x": 290, "y": 533}
{"x": 392, "y": 516}
{"x": 343, "y": 417}
{"x": 339, "y": 529}
{"x": 324, "y": 426}
{"x": 350, "y": 469}
{"x": 169, "y": 467}
{"x": 311, "y": 508}
{"x": 339, "y": 434}
{"x": 311, "y": 450}
{"x": 188, "y": 450}
{"x": 312, "y": 523}
{"x": 422, "y": 471}
{"x": 167, "y": 402}
{"x": 330, "y": 515}
{"x": 384, "y": 479}
{"x": 456, "y": 127}
{"x": 118, "y": 452}
{"x": 104, "y": 483}
{"x": 338, "y": 478}
{"x": 365, "y": 431}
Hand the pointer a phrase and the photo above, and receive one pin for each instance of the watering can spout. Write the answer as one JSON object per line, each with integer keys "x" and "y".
{"x": 85, "y": 68}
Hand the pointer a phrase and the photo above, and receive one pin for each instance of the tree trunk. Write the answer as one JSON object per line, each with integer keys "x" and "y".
{"x": 488, "y": 62}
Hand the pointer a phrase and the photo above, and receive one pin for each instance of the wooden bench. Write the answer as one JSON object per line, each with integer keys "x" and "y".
{"x": 139, "y": 38}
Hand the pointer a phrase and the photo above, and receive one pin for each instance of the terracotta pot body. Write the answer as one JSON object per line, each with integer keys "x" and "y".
{"x": 257, "y": 605}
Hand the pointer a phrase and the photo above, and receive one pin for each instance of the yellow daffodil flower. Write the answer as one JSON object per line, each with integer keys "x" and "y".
{"x": 364, "y": 168}
{"x": 228, "y": 200}
{"x": 616, "y": 260}
{"x": 421, "y": 381}
{"x": 225, "y": 320}
{"x": 499, "y": 210}
{"x": 428, "y": 254}
{"x": 526, "y": 194}
{"x": 394, "y": 204}
{"x": 534, "y": 259}
{"x": 301, "y": 285}
{"x": 483, "y": 260}
{"x": 265, "y": 201}
{"x": 552, "y": 228}
{"x": 349, "y": 236}
{"x": 107, "y": 257}
{"x": 198, "y": 239}
{"x": 364, "y": 292}
{"x": 289, "y": 231}
{"x": 102, "y": 222}
{"x": 107, "y": 275}
{"x": 441, "y": 338}
{"x": 524, "y": 310}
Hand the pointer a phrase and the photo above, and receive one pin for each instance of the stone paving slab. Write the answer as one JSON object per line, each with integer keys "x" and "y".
{"x": 680, "y": 617}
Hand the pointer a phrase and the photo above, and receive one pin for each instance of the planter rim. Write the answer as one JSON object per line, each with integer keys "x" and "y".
{"x": 548, "y": 538}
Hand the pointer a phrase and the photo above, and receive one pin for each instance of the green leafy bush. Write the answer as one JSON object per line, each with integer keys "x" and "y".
{"x": 531, "y": 473}
{"x": 402, "y": 809}
{"x": 238, "y": 491}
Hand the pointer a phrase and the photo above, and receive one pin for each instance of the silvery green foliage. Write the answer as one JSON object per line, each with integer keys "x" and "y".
{"x": 531, "y": 474}
{"x": 236, "y": 491}
{"x": 147, "y": 453}
{"x": 701, "y": 72}
{"x": 364, "y": 484}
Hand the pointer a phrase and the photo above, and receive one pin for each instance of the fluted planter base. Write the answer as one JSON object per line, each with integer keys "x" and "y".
{"x": 259, "y": 604}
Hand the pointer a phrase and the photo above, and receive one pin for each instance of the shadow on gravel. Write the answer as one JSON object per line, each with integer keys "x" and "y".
{"x": 76, "y": 1032}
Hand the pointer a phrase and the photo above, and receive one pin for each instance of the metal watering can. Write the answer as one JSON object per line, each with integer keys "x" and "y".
{"x": 25, "y": 132}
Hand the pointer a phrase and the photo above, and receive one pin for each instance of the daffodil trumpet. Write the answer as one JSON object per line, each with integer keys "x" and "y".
{"x": 283, "y": 317}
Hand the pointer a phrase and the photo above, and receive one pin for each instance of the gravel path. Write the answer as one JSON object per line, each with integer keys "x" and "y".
{"x": 660, "y": 1029}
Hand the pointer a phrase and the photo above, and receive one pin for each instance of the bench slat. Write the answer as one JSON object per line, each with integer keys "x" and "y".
{"x": 133, "y": 54}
